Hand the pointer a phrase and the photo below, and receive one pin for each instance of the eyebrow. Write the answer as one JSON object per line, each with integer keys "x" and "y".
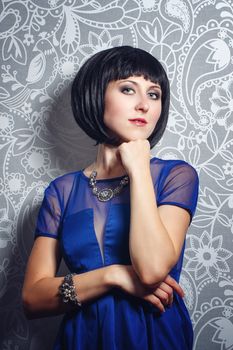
{"x": 135, "y": 83}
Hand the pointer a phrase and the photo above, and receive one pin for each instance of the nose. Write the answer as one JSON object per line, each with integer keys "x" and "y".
{"x": 142, "y": 105}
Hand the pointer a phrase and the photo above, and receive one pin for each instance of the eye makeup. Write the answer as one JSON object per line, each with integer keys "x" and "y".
{"x": 154, "y": 93}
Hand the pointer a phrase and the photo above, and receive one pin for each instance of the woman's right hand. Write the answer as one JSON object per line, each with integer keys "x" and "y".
{"x": 160, "y": 295}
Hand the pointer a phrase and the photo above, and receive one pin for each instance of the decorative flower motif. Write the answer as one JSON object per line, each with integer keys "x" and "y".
{"x": 28, "y": 39}
{"x": 100, "y": 42}
{"x": 53, "y": 3}
{"x": 15, "y": 183}
{"x": 222, "y": 34}
{"x": 222, "y": 106}
{"x": 204, "y": 120}
{"x": 200, "y": 137}
{"x": 227, "y": 312}
{"x": 6, "y": 123}
{"x": 206, "y": 256}
{"x": 36, "y": 162}
{"x": 228, "y": 169}
{"x": 27, "y": 108}
{"x": 68, "y": 66}
{"x": 149, "y": 5}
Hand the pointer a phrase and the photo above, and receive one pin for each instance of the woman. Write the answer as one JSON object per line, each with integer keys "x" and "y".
{"x": 119, "y": 224}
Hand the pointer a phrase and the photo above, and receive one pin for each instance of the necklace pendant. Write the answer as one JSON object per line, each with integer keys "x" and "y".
{"x": 105, "y": 195}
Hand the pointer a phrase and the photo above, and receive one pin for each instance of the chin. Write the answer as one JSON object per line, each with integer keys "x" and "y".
{"x": 136, "y": 136}
{"x": 131, "y": 137}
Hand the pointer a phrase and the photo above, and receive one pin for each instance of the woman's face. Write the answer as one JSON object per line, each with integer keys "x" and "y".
{"x": 132, "y": 107}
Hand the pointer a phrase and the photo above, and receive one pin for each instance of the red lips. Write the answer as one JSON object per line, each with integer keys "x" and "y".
{"x": 141, "y": 120}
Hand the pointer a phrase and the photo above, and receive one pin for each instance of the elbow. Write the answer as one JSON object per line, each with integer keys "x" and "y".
{"x": 154, "y": 276}
{"x": 28, "y": 306}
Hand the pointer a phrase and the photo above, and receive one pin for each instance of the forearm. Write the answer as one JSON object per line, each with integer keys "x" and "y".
{"x": 151, "y": 249}
{"x": 42, "y": 298}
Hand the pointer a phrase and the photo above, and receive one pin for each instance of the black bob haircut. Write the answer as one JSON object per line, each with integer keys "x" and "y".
{"x": 89, "y": 86}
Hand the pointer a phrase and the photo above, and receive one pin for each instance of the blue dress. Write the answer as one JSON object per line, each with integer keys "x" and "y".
{"x": 93, "y": 234}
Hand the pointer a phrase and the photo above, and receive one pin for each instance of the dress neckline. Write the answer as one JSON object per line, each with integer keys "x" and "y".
{"x": 102, "y": 180}
{"x": 108, "y": 179}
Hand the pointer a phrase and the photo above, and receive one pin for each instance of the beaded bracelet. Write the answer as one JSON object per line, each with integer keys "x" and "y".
{"x": 68, "y": 291}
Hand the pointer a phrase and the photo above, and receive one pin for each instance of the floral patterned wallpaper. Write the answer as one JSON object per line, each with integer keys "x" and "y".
{"x": 43, "y": 43}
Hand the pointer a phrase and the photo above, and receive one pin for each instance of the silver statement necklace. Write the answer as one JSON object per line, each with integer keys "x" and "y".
{"x": 106, "y": 194}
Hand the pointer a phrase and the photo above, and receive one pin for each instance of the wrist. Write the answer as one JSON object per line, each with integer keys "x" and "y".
{"x": 138, "y": 174}
{"x": 113, "y": 275}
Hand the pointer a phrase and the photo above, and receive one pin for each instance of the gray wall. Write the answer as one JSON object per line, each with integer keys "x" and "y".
{"x": 43, "y": 43}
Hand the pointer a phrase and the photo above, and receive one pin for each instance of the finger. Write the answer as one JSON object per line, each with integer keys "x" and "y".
{"x": 155, "y": 302}
{"x": 175, "y": 286}
{"x": 163, "y": 296}
{"x": 170, "y": 301}
{"x": 168, "y": 290}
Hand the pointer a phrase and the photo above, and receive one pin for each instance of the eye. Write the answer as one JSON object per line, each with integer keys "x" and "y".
{"x": 154, "y": 95}
{"x": 127, "y": 90}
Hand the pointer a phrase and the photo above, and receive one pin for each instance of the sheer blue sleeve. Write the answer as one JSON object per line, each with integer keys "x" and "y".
{"x": 180, "y": 187}
{"x": 49, "y": 214}
{"x": 52, "y": 209}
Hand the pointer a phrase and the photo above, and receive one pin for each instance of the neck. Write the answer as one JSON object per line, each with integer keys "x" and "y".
{"x": 108, "y": 162}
